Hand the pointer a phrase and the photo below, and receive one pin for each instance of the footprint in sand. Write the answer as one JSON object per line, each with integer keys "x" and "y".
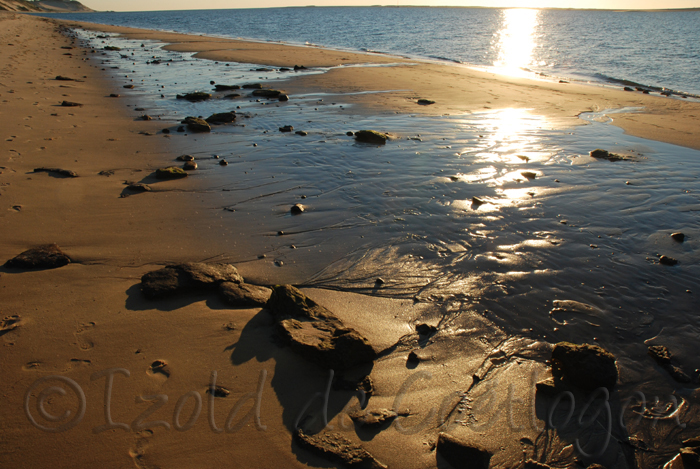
{"x": 84, "y": 342}
{"x": 10, "y": 323}
{"x": 138, "y": 452}
{"x": 32, "y": 366}
{"x": 159, "y": 368}
{"x": 77, "y": 363}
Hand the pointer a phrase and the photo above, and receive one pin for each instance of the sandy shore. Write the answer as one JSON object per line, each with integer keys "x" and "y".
{"x": 89, "y": 316}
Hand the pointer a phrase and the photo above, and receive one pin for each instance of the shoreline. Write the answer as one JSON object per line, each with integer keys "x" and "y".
{"x": 90, "y": 315}
{"x": 456, "y": 89}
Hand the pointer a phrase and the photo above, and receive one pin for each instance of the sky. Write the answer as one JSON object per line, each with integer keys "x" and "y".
{"x": 141, "y": 5}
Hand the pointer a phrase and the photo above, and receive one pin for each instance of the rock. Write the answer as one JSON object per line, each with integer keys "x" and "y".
{"x": 690, "y": 456}
{"x": 70, "y": 104}
{"x": 529, "y": 174}
{"x": 477, "y": 201}
{"x": 161, "y": 366}
{"x": 128, "y": 87}
{"x": 221, "y": 118}
{"x": 112, "y": 48}
{"x": 146, "y": 117}
{"x": 667, "y": 260}
{"x": 226, "y": 87}
{"x": 195, "y": 96}
{"x": 627, "y": 88}
{"x": 223, "y": 163}
{"x": 114, "y": 95}
{"x": 48, "y": 256}
{"x": 302, "y": 133}
{"x": 185, "y": 278}
{"x": 62, "y": 78}
{"x": 189, "y": 166}
{"x": 316, "y": 333}
{"x": 349, "y": 133}
{"x": 166, "y": 131}
{"x": 299, "y": 67}
{"x": 267, "y": 93}
{"x": 253, "y": 86}
{"x": 425, "y": 102}
{"x": 170, "y": 172}
{"x": 181, "y": 128}
{"x": 139, "y": 187}
{"x": 59, "y": 171}
{"x": 371, "y": 136}
{"x": 232, "y": 96}
{"x": 425, "y": 329}
{"x": 462, "y": 455}
{"x": 244, "y": 295}
{"x": 338, "y": 449}
{"x": 196, "y": 124}
{"x": 606, "y": 155}
{"x": 586, "y": 367}
{"x": 286, "y": 128}
{"x": 680, "y": 237}
{"x": 297, "y": 209}
{"x": 373, "y": 418}
{"x": 185, "y": 158}
{"x": 283, "y": 97}
{"x": 413, "y": 357}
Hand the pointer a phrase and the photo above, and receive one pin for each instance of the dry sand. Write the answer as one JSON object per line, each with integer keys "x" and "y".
{"x": 89, "y": 316}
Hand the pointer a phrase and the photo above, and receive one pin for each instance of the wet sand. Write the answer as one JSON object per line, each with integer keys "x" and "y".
{"x": 90, "y": 316}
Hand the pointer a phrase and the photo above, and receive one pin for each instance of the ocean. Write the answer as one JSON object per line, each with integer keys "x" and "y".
{"x": 654, "y": 49}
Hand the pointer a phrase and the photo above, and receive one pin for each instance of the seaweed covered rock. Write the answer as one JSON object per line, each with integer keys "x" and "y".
{"x": 195, "y": 96}
{"x": 226, "y": 87}
{"x": 267, "y": 93}
{"x": 48, "y": 256}
{"x": 185, "y": 278}
{"x": 606, "y": 155}
{"x": 316, "y": 333}
{"x": 244, "y": 295}
{"x": 196, "y": 124}
{"x": 371, "y": 136}
{"x": 462, "y": 455}
{"x": 338, "y": 449}
{"x": 221, "y": 118}
{"x": 170, "y": 172}
{"x": 586, "y": 367}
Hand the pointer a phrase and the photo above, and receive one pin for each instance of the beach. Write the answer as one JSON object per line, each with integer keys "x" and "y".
{"x": 90, "y": 316}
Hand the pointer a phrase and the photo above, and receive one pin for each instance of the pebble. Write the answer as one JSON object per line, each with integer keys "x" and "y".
{"x": 680, "y": 237}
{"x": 297, "y": 209}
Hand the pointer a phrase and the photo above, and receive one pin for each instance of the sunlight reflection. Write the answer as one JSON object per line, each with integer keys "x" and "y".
{"x": 516, "y": 40}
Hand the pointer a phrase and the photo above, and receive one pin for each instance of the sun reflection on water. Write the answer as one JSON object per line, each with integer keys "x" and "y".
{"x": 516, "y": 40}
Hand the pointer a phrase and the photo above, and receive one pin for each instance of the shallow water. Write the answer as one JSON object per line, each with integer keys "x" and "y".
{"x": 569, "y": 252}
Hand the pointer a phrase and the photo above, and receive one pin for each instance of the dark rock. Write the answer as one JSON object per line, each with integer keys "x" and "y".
{"x": 477, "y": 201}
{"x": 218, "y": 391}
{"x": 547, "y": 387}
{"x": 223, "y": 163}
{"x": 286, "y": 128}
{"x": 606, "y": 155}
{"x": 680, "y": 237}
{"x": 226, "y": 87}
{"x": 166, "y": 131}
{"x": 146, "y": 117}
{"x": 667, "y": 260}
{"x": 462, "y": 455}
{"x": 48, "y": 256}
{"x": 297, "y": 209}
{"x": 160, "y": 366}
{"x": 62, "y": 78}
{"x": 371, "y": 136}
{"x": 349, "y": 133}
{"x": 70, "y": 104}
{"x": 185, "y": 278}
{"x": 189, "y": 166}
{"x": 299, "y": 67}
{"x": 185, "y": 158}
{"x": 181, "y": 128}
{"x": 302, "y": 133}
{"x": 59, "y": 171}
{"x": 253, "y": 86}
{"x": 244, "y": 295}
{"x": 586, "y": 367}
{"x": 267, "y": 93}
{"x": 663, "y": 356}
{"x": 692, "y": 442}
{"x": 114, "y": 95}
{"x": 373, "y": 418}
{"x": 690, "y": 457}
{"x": 128, "y": 87}
{"x": 315, "y": 333}
{"x": 379, "y": 281}
{"x": 196, "y": 124}
{"x": 170, "y": 173}
{"x": 529, "y": 174}
{"x": 232, "y": 96}
{"x": 627, "y": 88}
{"x": 113, "y": 48}
{"x": 425, "y": 329}
{"x": 413, "y": 357}
{"x": 221, "y": 118}
{"x": 195, "y": 96}
{"x": 283, "y": 97}
{"x": 338, "y": 449}
{"x": 425, "y": 102}
{"x": 106, "y": 172}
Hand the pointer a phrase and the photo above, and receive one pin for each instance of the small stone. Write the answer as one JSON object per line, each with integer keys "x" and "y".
{"x": 680, "y": 237}
{"x": 371, "y": 136}
{"x": 166, "y": 131}
{"x": 190, "y": 166}
{"x": 379, "y": 281}
{"x": 529, "y": 174}
{"x": 223, "y": 163}
{"x": 425, "y": 102}
{"x": 297, "y": 209}
{"x": 667, "y": 260}
{"x": 283, "y": 97}
{"x": 349, "y": 134}
{"x": 477, "y": 201}
{"x": 146, "y": 117}
{"x": 170, "y": 172}
{"x": 425, "y": 329}
{"x": 302, "y": 133}
{"x": 286, "y": 128}
{"x": 185, "y": 158}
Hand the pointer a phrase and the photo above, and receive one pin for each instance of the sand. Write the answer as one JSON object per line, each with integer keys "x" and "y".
{"x": 82, "y": 319}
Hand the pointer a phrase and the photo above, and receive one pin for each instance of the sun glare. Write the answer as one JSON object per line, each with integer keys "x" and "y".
{"x": 516, "y": 40}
